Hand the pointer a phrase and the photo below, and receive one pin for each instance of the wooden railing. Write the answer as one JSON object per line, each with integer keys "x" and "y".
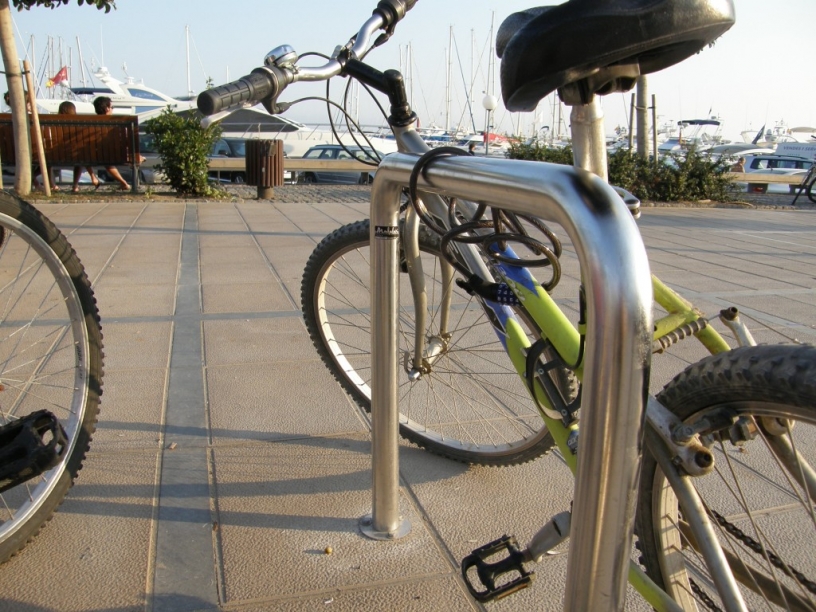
{"x": 289, "y": 163}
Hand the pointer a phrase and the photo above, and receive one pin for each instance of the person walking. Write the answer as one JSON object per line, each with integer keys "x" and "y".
{"x": 69, "y": 108}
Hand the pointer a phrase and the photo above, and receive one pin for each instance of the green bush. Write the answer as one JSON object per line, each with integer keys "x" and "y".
{"x": 184, "y": 146}
{"x": 674, "y": 179}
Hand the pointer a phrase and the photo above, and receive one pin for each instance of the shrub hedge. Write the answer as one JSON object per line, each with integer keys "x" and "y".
{"x": 184, "y": 147}
{"x": 689, "y": 178}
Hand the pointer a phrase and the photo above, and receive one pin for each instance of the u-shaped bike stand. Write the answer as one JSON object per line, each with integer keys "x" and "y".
{"x": 617, "y": 353}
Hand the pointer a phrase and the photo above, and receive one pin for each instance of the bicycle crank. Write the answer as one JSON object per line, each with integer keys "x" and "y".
{"x": 30, "y": 446}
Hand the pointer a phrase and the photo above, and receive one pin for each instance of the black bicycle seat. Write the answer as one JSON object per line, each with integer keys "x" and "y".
{"x": 587, "y": 47}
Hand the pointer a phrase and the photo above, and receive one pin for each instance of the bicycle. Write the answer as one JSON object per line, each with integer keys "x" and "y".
{"x": 806, "y": 186}
{"x": 746, "y": 398}
{"x": 51, "y": 368}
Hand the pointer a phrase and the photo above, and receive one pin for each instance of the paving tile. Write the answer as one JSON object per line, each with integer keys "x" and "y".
{"x": 123, "y": 300}
{"x": 282, "y": 400}
{"x": 237, "y": 341}
{"x": 95, "y": 553}
{"x": 222, "y": 296}
{"x": 280, "y": 505}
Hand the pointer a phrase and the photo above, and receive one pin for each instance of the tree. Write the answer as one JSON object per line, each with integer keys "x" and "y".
{"x": 14, "y": 79}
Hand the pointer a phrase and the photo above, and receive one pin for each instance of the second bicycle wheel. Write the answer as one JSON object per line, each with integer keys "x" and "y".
{"x": 50, "y": 360}
{"x": 471, "y": 406}
{"x": 760, "y": 406}
{"x": 811, "y": 190}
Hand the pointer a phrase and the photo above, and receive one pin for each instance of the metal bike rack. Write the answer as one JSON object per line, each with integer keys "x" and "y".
{"x": 617, "y": 353}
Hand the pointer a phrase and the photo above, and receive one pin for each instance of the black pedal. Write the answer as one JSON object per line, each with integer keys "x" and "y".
{"x": 30, "y": 446}
{"x": 490, "y": 573}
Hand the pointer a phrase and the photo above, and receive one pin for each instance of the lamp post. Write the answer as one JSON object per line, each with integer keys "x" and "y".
{"x": 490, "y": 103}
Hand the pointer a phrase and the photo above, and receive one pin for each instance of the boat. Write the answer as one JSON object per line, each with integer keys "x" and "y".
{"x": 135, "y": 98}
{"x": 127, "y": 97}
{"x": 779, "y": 133}
{"x": 693, "y": 134}
{"x": 255, "y": 122}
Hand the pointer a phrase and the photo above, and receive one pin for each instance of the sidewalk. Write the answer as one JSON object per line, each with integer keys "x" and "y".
{"x": 227, "y": 459}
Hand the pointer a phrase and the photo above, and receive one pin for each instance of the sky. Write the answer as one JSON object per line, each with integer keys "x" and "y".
{"x": 758, "y": 73}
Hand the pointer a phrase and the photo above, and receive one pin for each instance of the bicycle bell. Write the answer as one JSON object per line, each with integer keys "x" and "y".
{"x": 281, "y": 57}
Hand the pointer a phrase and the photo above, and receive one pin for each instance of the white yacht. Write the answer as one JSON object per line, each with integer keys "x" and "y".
{"x": 128, "y": 98}
{"x": 297, "y": 138}
{"x": 779, "y": 133}
{"x": 135, "y": 98}
{"x": 697, "y": 134}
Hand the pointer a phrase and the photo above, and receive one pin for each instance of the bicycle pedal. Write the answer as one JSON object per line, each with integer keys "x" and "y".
{"x": 489, "y": 573}
{"x": 30, "y": 446}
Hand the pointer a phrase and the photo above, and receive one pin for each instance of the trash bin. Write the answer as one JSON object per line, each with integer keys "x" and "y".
{"x": 264, "y": 166}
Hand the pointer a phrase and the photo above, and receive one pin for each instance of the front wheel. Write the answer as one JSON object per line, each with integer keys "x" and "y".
{"x": 50, "y": 358}
{"x": 760, "y": 496}
{"x": 811, "y": 192}
{"x": 470, "y": 405}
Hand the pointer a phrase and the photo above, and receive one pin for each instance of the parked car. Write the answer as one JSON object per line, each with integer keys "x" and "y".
{"x": 768, "y": 163}
{"x": 329, "y": 152}
{"x": 235, "y": 147}
{"x": 228, "y": 147}
{"x": 147, "y": 175}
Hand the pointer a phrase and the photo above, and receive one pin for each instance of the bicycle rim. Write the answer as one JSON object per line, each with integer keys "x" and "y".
{"x": 470, "y": 405}
{"x": 761, "y": 504}
{"x": 811, "y": 193}
{"x": 48, "y": 359}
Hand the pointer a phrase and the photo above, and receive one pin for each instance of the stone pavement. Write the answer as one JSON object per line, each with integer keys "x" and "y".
{"x": 227, "y": 459}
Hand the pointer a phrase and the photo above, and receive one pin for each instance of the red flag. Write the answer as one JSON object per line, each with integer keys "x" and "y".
{"x": 61, "y": 76}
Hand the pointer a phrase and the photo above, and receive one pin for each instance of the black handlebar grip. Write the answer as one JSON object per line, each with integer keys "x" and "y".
{"x": 394, "y": 10}
{"x": 261, "y": 83}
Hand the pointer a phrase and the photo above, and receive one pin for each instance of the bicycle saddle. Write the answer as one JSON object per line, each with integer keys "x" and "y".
{"x": 587, "y": 47}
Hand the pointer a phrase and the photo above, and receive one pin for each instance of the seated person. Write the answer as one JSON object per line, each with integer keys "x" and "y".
{"x": 69, "y": 108}
{"x": 103, "y": 106}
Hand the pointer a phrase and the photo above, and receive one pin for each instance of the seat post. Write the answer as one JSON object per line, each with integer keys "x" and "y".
{"x": 588, "y": 138}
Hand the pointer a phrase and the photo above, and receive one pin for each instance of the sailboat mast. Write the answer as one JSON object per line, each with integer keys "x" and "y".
{"x": 33, "y": 56}
{"x": 448, "y": 79}
{"x": 50, "y": 60}
{"x": 187, "y": 42}
{"x": 81, "y": 64}
{"x": 410, "y": 60}
{"x": 472, "y": 67}
{"x": 491, "y": 69}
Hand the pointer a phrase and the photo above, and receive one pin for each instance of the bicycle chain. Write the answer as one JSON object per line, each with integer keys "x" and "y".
{"x": 758, "y": 548}
{"x": 704, "y": 597}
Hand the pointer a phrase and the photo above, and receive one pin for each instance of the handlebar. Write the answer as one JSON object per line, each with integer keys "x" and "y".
{"x": 264, "y": 85}
{"x": 258, "y": 85}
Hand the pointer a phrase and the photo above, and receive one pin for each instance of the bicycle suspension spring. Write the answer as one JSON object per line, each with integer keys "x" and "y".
{"x": 678, "y": 334}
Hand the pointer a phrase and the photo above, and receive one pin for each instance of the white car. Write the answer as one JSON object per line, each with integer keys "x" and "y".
{"x": 768, "y": 163}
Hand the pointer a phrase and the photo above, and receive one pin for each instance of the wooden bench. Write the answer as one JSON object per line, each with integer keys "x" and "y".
{"x": 758, "y": 182}
{"x": 80, "y": 140}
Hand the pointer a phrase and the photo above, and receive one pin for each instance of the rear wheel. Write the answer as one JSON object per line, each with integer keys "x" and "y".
{"x": 760, "y": 496}
{"x": 471, "y": 405}
{"x": 50, "y": 358}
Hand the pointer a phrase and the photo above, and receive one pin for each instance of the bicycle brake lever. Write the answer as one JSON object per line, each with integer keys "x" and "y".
{"x": 489, "y": 573}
